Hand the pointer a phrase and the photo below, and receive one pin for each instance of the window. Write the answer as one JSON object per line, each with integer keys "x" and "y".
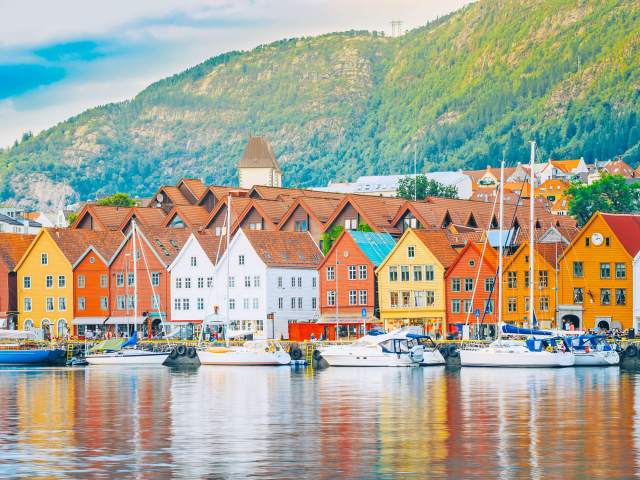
{"x": 468, "y": 306}
{"x": 131, "y": 301}
{"x": 526, "y": 304}
{"x": 406, "y": 299}
{"x": 26, "y": 282}
{"x": 578, "y": 269}
{"x": 455, "y": 284}
{"x": 404, "y": 273}
{"x": 293, "y": 282}
{"x": 587, "y": 241}
{"x": 240, "y": 259}
{"x": 472, "y": 263}
{"x": 155, "y": 301}
{"x": 300, "y": 226}
{"x": 605, "y": 296}
{"x": 314, "y": 282}
{"x": 431, "y": 298}
{"x": 62, "y": 303}
{"x": 428, "y": 273}
{"x": 187, "y": 282}
{"x": 62, "y": 281}
{"x": 411, "y": 251}
{"x": 119, "y": 279}
{"x": 352, "y": 297}
{"x": 49, "y": 281}
{"x": 279, "y": 282}
{"x": 245, "y": 303}
{"x": 314, "y": 303}
{"x": 280, "y": 303}
{"x": 299, "y": 303}
{"x": 362, "y": 272}
{"x": 621, "y": 271}
{"x": 526, "y": 279}
{"x": 607, "y": 241}
{"x": 543, "y": 279}
{"x": 220, "y": 231}
{"x": 489, "y": 284}
{"x": 293, "y": 303}
{"x": 27, "y": 304}
{"x": 49, "y": 304}
{"x": 155, "y": 279}
{"x": 104, "y": 280}
{"x": 256, "y": 303}
{"x": 82, "y": 281}
{"x": 194, "y": 261}
{"x": 256, "y": 281}
{"x": 331, "y": 297}
{"x": 352, "y": 272}
{"x": 104, "y": 303}
{"x": 178, "y": 282}
{"x": 393, "y": 274}
{"x": 455, "y": 306}
{"x": 331, "y": 274}
{"x": 393, "y": 299}
{"x": 578, "y": 296}
{"x": 468, "y": 284}
{"x": 621, "y": 296}
{"x": 131, "y": 278}
{"x": 419, "y": 298}
{"x": 605, "y": 271}
{"x": 44, "y": 259}
{"x": 543, "y": 303}
{"x": 247, "y": 281}
{"x": 200, "y": 303}
{"x": 362, "y": 297}
{"x": 512, "y": 279}
{"x": 299, "y": 282}
{"x": 200, "y": 282}
{"x": 488, "y": 306}
{"x": 120, "y": 302}
{"x": 82, "y": 303}
{"x": 512, "y": 305}
{"x": 186, "y": 304}
{"x": 232, "y": 282}
{"x": 417, "y": 273}
{"x": 209, "y": 282}
{"x": 177, "y": 304}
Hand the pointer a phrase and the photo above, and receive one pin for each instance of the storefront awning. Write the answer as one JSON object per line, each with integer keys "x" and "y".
{"x": 88, "y": 320}
{"x": 125, "y": 321}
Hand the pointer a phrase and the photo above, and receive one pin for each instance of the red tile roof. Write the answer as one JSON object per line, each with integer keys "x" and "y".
{"x": 12, "y": 247}
{"x": 214, "y": 246}
{"x": 108, "y": 217}
{"x": 258, "y": 154}
{"x": 147, "y": 216}
{"x": 619, "y": 167}
{"x": 626, "y": 228}
{"x": 193, "y": 216}
{"x": 195, "y": 186}
{"x": 437, "y": 242}
{"x": 73, "y": 243}
{"x": 167, "y": 242}
{"x": 285, "y": 249}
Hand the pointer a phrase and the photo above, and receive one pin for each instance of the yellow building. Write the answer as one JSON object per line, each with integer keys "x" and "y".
{"x": 45, "y": 279}
{"x": 411, "y": 288}
{"x": 596, "y": 273}
{"x": 515, "y": 282}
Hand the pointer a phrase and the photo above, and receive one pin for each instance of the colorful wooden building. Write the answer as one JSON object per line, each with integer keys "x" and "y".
{"x": 12, "y": 248}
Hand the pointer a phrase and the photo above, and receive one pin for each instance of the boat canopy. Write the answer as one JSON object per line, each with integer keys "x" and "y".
{"x": 17, "y": 335}
{"x": 111, "y": 345}
{"x": 510, "y": 329}
{"x": 591, "y": 341}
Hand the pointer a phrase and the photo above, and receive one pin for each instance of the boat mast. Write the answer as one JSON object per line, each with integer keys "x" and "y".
{"x": 135, "y": 276}
{"x": 337, "y": 296}
{"x": 228, "y": 232}
{"x": 532, "y": 238}
{"x": 500, "y": 248}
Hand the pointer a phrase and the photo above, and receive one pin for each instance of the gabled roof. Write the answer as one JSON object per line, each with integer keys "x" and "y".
{"x": 104, "y": 245}
{"x": 377, "y": 212}
{"x": 147, "y": 216}
{"x": 238, "y": 205}
{"x": 165, "y": 242}
{"x": 320, "y": 209}
{"x": 271, "y": 210}
{"x": 211, "y": 244}
{"x": 107, "y": 217}
{"x": 285, "y": 249}
{"x": 490, "y": 257}
{"x": 619, "y": 167}
{"x": 438, "y": 244}
{"x": 258, "y": 154}
{"x": 567, "y": 166}
{"x": 75, "y": 243}
{"x": 193, "y": 216}
{"x": 219, "y": 192}
{"x": 193, "y": 185}
{"x": 280, "y": 193}
{"x": 172, "y": 193}
{"x": 375, "y": 246}
{"x": 12, "y": 247}
{"x": 550, "y": 252}
{"x": 626, "y": 228}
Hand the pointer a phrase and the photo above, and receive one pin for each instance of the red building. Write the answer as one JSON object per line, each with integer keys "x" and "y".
{"x": 469, "y": 283}
{"x": 348, "y": 284}
{"x": 12, "y": 247}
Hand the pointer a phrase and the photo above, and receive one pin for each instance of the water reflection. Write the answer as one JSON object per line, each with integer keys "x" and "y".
{"x": 236, "y": 422}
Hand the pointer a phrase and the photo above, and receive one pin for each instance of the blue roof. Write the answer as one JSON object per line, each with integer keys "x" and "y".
{"x": 508, "y": 237}
{"x": 376, "y": 246}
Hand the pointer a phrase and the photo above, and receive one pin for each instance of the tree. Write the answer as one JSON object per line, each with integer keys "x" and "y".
{"x": 423, "y": 187}
{"x": 117, "y": 200}
{"x": 609, "y": 194}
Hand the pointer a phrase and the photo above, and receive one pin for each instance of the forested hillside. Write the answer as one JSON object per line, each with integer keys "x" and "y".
{"x": 467, "y": 90}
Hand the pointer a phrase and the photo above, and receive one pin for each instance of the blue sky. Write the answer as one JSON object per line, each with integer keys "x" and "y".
{"x": 58, "y": 58}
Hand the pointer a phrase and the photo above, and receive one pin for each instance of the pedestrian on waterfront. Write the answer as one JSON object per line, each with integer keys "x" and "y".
{"x": 313, "y": 337}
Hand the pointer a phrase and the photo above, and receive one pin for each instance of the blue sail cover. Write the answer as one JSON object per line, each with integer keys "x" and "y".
{"x": 510, "y": 329}
{"x": 132, "y": 342}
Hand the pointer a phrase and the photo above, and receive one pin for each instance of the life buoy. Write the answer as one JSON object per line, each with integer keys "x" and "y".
{"x": 173, "y": 354}
{"x": 444, "y": 351}
{"x": 182, "y": 350}
{"x": 631, "y": 351}
{"x": 453, "y": 351}
{"x": 317, "y": 356}
{"x": 191, "y": 352}
{"x": 295, "y": 353}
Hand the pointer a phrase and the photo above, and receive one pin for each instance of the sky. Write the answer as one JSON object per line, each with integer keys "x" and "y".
{"x": 58, "y": 58}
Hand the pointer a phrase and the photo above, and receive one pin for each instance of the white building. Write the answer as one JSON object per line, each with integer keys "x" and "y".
{"x": 192, "y": 279}
{"x": 272, "y": 280}
{"x": 258, "y": 165}
{"x": 18, "y": 224}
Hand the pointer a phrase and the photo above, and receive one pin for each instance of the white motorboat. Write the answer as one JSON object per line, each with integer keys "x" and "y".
{"x": 430, "y": 355}
{"x": 511, "y": 353}
{"x": 127, "y": 356}
{"x": 394, "y": 349}
{"x": 254, "y": 352}
{"x": 593, "y": 351}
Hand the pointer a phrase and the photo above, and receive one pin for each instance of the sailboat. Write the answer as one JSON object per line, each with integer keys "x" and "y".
{"x": 510, "y": 353}
{"x": 20, "y": 347}
{"x": 118, "y": 351}
{"x": 254, "y": 352}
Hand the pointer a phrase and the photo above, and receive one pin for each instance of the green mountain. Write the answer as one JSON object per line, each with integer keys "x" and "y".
{"x": 469, "y": 89}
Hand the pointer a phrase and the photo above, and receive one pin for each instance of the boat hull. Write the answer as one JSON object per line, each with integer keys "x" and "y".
{"x": 135, "y": 357}
{"x": 243, "y": 358}
{"x": 353, "y": 357}
{"x": 432, "y": 358}
{"x": 33, "y": 357}
{"x": 597, "y": 359}
{"x": 492, "y": 358}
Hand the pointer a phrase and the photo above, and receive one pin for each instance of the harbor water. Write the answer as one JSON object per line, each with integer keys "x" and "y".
{"x": 264, "y": 422}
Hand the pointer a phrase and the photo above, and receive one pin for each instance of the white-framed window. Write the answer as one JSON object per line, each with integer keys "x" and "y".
{"x": 352, "y": 272}
{"x": 155, "y": 301}
{"x": 104, "y": 281}
{"x": 82, "y": 303}
{"x": 314, "y": 303}
{"x": 280, "y": 303}
{"x": 331, "y": 273}
{"x": 131, "y": 279}
{"x": 82, "y": 281}
{"x": 62, "y": 303}
{"x": 194, "y": 261}
{"x": 119, "y": 279}
{"x": 362, "y": 272}
{"x": 26, "y": 282}
{"x": 293, "y": 282}
{"x": 131, "y": 300}
{"x": 404, "y": 273}
{"x": 200, "y": 282}
{"x": 331, "y": 297}
{"x": 121, "y": 302}
{"x": 62, "y": 281}
{"x": 104, "y": 303}
{"x": 232, "y": 283}
{"x": 299, "y": 282}
{"x": 187, "y": 282}
{"x": 293, "y": 303}
{"x": 428, "y": 273}
{"x": 26, "y": 304}
{"x": 49, "y": 302}
{"x": 455, "y": 306}
{"x": 245, "y": 304}
{"x": 411, "y": 251}
{"x": 352, "y": 297}
{"x": 279, "y": 282}
{"x": 468, "y": 306}
{"x": 256, "y": 281}
{"x": 417, "y": 273}
{"x": 209, "y": 282}
{"x": 393, "y": 273}
{"x": 178, "y": 282}
{"x": 44, "y": 259}
{"x": 49, "y": 281}
{"x": 232, "y": 304}
{"x": 220, "y": 231}
{"x": 240, "y": 259}
{"x": 177, "y": 304}
{"x": 314, "y": 282}
{"x": 200, "y": 303}
{"x": 186, "y": 304}
{"x": 363, "y": 297}
{"x": 299, "y": 303}
{"x": 155, "y": 279}
{"x": 247, "y": 281}
{"x": 256, "y": 303}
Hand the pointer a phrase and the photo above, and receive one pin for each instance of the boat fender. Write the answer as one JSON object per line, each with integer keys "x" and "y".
{"x": 182, "y": 350}
{"x": 317, "y": 356}
{"x": 453, "y": 351}
{"x": 631, "y": 351}
{"x": 191, "y": 352}
{"x": 444, "y": 351}
{"x": 173, "y": 354}
{"x": 295, "y": 353}
{"x": 586, "y": 349}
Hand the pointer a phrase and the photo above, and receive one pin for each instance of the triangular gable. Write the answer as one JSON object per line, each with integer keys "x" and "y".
{"x": 91, "y": 248}
{"x": 461, "y": 254}
{"x": 30, "y": 248}
{"x": 125, "y": 241}
{"x": 86, "y": 210}
{"x": 235, "y": 239}
{"x": 298, "y": 203}
{"x": 347, "y": 200}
